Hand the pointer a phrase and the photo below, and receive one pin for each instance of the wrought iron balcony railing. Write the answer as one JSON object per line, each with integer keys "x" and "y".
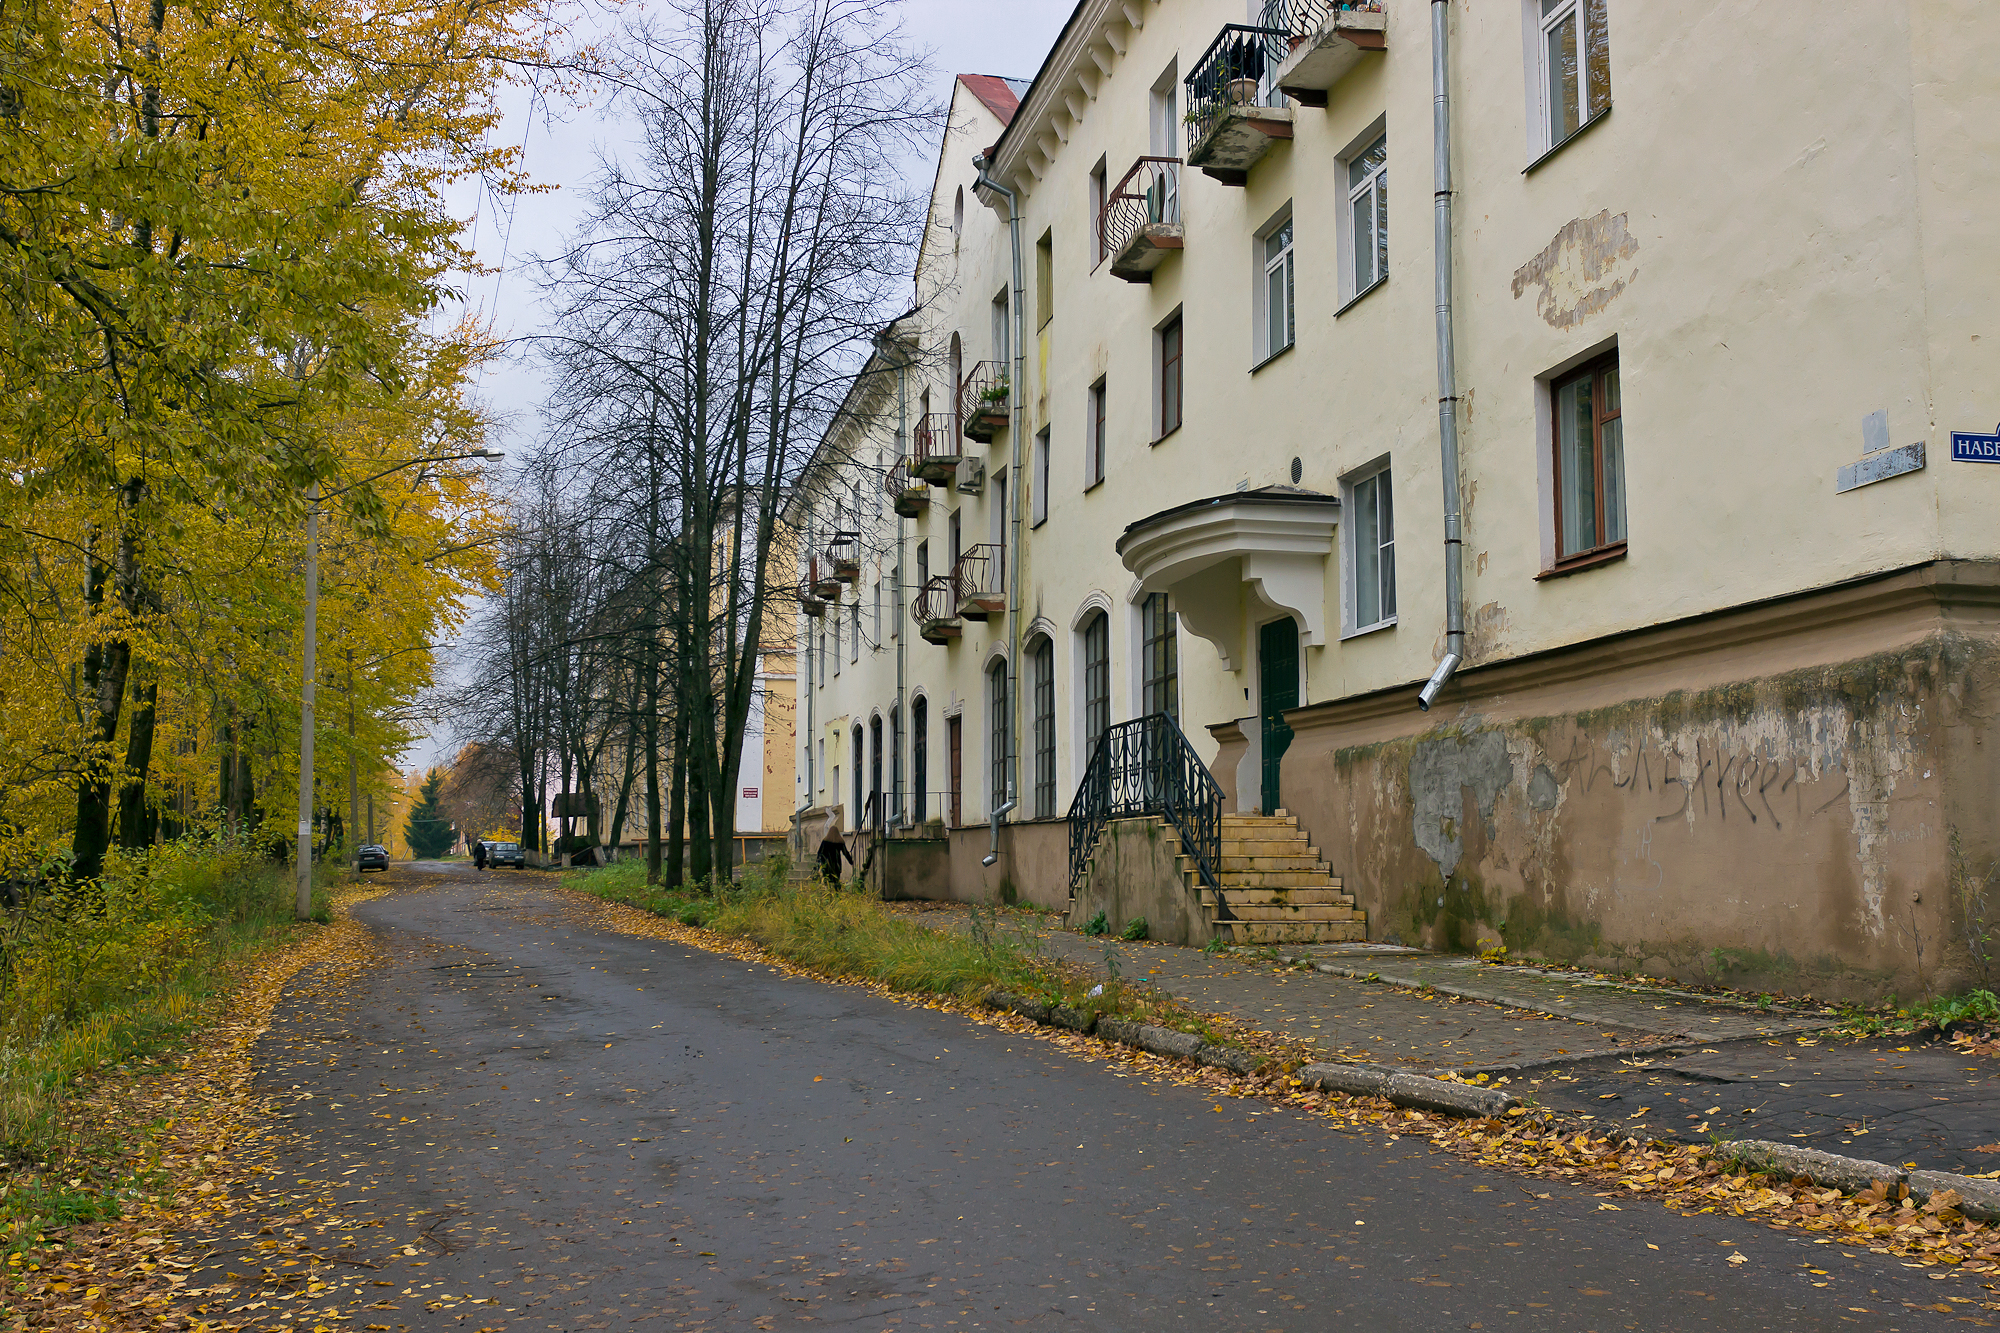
{"x": 1327, "y": 39}
{"x": 811, "y": 601}
{"x": 1234, "y": 108}
{"x": 907, "y": 493}
{"x": 937, "y": 447}
{"x": 935, "y": 609}
{"x": 843, "y": 554}
{"x": 1146, "y": 767}
{"x": 982, "y": 400}
{"x": 980, "y": 578}
{"x": 1141, "y": 218}
{"x": 820, "y": 580}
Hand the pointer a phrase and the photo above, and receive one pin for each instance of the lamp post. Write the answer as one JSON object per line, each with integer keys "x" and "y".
{"x": 303, "y": 906}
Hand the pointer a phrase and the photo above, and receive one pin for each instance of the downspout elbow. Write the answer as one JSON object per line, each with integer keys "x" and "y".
{"x": 999, "y": 813}
{"x": 1439, "y": 679}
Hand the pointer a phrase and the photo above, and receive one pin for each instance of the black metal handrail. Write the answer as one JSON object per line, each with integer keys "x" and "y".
{"x": 983, "y": 391}
{"x": 1307, "y": 18}
{"x": 1231, "y": 73}
{"x": 981, "y": 571}
{"x": 1147, "y": 767}
{"x": 1146, "y": 194}
{"x": 936, "y": 601}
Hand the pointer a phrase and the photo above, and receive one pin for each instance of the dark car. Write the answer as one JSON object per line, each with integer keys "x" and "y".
{"x": 506, "y": 854}
{"x": 372, "y": 857}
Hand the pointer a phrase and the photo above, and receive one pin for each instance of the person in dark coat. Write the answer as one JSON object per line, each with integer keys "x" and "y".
{"x": 832, "y": 846}
{"x": 479, "y": 855}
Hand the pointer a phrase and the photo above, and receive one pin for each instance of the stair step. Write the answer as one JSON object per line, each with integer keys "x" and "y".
{"x": 1292, "y": 932}
{"x": 1316, "y": 897}
{"x": 1265, "y": 847}
{"x": 1259, "y": 821}
{"x": 1295, "y": 880}
{"x": 1236, "y": 864}
{"x": 1307, "y": 913}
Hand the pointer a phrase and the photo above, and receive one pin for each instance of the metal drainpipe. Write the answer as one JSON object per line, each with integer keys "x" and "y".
{"x": 1454, "y": 547}
{"x": 1015, "y": 389}
{"x": 896, "y": 769}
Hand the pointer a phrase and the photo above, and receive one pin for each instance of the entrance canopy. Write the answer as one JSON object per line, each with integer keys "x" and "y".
{"x": 1269, "y": 545}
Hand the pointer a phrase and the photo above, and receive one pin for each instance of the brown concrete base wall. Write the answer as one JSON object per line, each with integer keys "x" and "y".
{"x": 1832, "y": 829}
{"x": 1033, "y": 867}
{"x": 912, "y": 868}
{"x": 1135, "y": 873}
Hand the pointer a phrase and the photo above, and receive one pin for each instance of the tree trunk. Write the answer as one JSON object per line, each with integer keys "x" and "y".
{"x": 677, "y": 815}
{"x": 135, "y": 817}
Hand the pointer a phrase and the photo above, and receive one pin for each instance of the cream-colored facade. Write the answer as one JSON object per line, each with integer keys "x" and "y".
{"x": 1759, "y": 238}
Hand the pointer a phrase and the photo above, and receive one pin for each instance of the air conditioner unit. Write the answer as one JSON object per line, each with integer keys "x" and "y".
{"x": 971, "y": 476}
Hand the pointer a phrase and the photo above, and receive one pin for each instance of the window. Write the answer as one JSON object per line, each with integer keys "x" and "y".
{"x": 1042, "y": 661}
{"x": 957, "y": 549}
{"x": 1093, "y": 446}
{"x": 1274, "y": 293}
{"x": 1045, "y": 279}
{"x": 1372, "y": 550}
{"x": 957, "y": 217}
{"x": 920, "y": 758}
{"x": 1573, "y": 81}
{"x": 854, "y": 647}
{"x": 1170, "y": 377}
{"x": 1099, "y": 189}
{"x": 836, "y": 643}
{"x": 1040, "y": 499}
{"x": 874, "y": 807}
{"x": 822, "y": 769}
{"x": 1003, "y": 341}
{"x": 878, "y": 611}
{"x": 1000, "y": 732}
{"x": 1368, "y": 214}
{"x": 1096, "y": 680}
{"x": 1159, "y": 633}
{"x": 822, "y": 658}
{"x": 923, "y": 563}
{"x": 1589, "y": 439}
{"x": 895, "y": 765}
{"x": 855, "y": 811}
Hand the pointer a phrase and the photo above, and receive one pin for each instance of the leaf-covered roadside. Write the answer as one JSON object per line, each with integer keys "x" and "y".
{"x": 1533, "y": 1142}
{"x": 166, "y": 1145}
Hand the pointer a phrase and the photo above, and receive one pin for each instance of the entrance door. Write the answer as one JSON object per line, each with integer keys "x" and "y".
{"x": 955, "y": 738}
{"x": 1278, "y": 689}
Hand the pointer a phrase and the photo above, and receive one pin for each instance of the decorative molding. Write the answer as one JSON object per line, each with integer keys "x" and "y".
{"x": 1094, "y": 600}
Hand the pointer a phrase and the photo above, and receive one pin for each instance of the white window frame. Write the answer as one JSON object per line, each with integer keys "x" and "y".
{"x": 1263, "y": 267}
{"x": 1039, "y": 501}
{"x": 1350, "y": 598}
{"x": 1352, "y": 288}
{"x": 1536, "y": 25}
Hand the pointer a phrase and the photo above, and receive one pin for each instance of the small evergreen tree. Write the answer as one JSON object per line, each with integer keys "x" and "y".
{"x": 428, "y": 830}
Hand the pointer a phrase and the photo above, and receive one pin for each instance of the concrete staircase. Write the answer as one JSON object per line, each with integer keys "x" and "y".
{"x": 1277, "y": 887}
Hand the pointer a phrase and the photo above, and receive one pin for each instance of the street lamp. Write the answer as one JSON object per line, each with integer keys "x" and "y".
{"x": 313, "y": 497}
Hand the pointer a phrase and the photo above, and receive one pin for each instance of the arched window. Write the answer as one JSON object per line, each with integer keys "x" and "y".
{"x": 957, "y": 217}
{"x": 1096, "y": 680}
{"x": 955, "y": 362}
{"x": 998, "y": 677}
{"x": 860, "y": 748}
{"x": 894, "y": 812}
{"x": 1160, "y": 657}
{"x": 875, "y": 772}
{"x": 1042, "y": 663}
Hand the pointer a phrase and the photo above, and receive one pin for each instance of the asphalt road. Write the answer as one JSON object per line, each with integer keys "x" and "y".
{"x": 514, "y": 1119}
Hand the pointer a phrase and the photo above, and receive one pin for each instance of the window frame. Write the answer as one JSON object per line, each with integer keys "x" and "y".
{"x": 1605, "y": 549}
{"x": 1042, "y": 660}
{"x": 1170, "y": 403}
{"x": 1263, "y": 265}
{"x": 1038, "y": 503}
{"x": 1159, "y": 656}
{"x": 1543, "y": 137}
{"x": 1374, "y": 472}
{"x": 1100, "y": 190}
{"x": 1095, "y": 714}
{"x": 1000, "y": 732}
{"x": 1096, "y": 419}
{"x": 1374, "y": 184}
{"x": 1045, "y": 279}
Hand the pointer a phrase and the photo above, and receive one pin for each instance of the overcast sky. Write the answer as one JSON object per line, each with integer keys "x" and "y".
{"x": 1005, "y": 37}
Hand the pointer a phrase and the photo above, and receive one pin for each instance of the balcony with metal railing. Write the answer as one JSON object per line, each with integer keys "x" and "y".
{"x": 981, "y": 581}
{"x": 811, "y": 601}
{"x": 1140, "y": 223}
{"x": 907, "y": 494}
{"x": 982, "y": 401}
{"x": 843, "y": 555}
{"x": 937, "y": 448}
{"x": 820, "y": 581}
{"x": 1326, "y": 41}
{"x": 935, "y": 609}
{"x": 1235, "y": 111}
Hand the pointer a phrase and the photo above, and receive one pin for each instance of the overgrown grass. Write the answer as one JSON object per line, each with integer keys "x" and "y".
{"x": 100, "y": 979}
{"x": 851, "y": 935}
{"x": 1974, "y": 1008}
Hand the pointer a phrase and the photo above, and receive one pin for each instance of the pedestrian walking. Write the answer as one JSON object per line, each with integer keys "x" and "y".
{"x": 832, "y": 846}
{"x": 479, "y": 855}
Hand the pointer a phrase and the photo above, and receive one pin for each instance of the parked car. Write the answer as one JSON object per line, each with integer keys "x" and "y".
{"x": 372, "y": 857}
{"x": 506, "y": 854}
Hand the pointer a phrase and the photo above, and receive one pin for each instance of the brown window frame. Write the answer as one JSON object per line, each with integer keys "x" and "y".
{"x": 1098, "y": 416}
{"x": 1172, "y": 380}
{"x": 1602, "y": 551}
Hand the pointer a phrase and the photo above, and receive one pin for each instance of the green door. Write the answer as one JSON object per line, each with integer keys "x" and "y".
{"x": 1278, "y": 689}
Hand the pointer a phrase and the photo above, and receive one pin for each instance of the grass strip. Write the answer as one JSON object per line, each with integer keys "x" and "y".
{"x": 839, "y": 933}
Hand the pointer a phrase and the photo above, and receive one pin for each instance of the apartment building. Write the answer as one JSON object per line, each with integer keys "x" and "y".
{"x": 1531, "y": 454}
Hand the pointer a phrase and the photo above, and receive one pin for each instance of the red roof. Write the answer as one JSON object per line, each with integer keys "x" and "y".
{"x": 997, "y": 93}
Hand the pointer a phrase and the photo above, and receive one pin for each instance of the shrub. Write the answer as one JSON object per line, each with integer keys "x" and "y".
{"x": 1135, "y": 929}
{"x": 1097, "y": 925}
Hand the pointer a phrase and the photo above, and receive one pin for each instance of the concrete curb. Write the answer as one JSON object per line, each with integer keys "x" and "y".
{"x": 1143, "y": 1036}
{"x": 1978, "y": 1199}
{"x": 1411, "y": 1090}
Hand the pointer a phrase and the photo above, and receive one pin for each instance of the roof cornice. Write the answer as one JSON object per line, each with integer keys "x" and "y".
{"x": 1088, "y": 49}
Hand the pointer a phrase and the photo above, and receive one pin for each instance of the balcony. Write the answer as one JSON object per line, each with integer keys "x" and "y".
{"x": 938, "y": 452}
{"x": 982, "y": 401}
{"x": 810, "y": 602}
{"x": 1140, "y": 223}
{"x": 936, "y": 612}
{"x": 980, "y": 581}
{"x": 1328, "y": 40}
{"x": 1235, "y": 112}
{"x": 820, "y": 581}
{"x": 843, "y": 553}
{"x": 907, "y": 494}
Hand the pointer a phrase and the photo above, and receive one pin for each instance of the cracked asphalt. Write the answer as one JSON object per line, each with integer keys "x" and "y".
{"x": 513, "y": 1118}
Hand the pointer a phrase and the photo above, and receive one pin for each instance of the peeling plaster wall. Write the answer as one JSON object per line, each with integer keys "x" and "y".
{"x": 1792, "y": 832}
